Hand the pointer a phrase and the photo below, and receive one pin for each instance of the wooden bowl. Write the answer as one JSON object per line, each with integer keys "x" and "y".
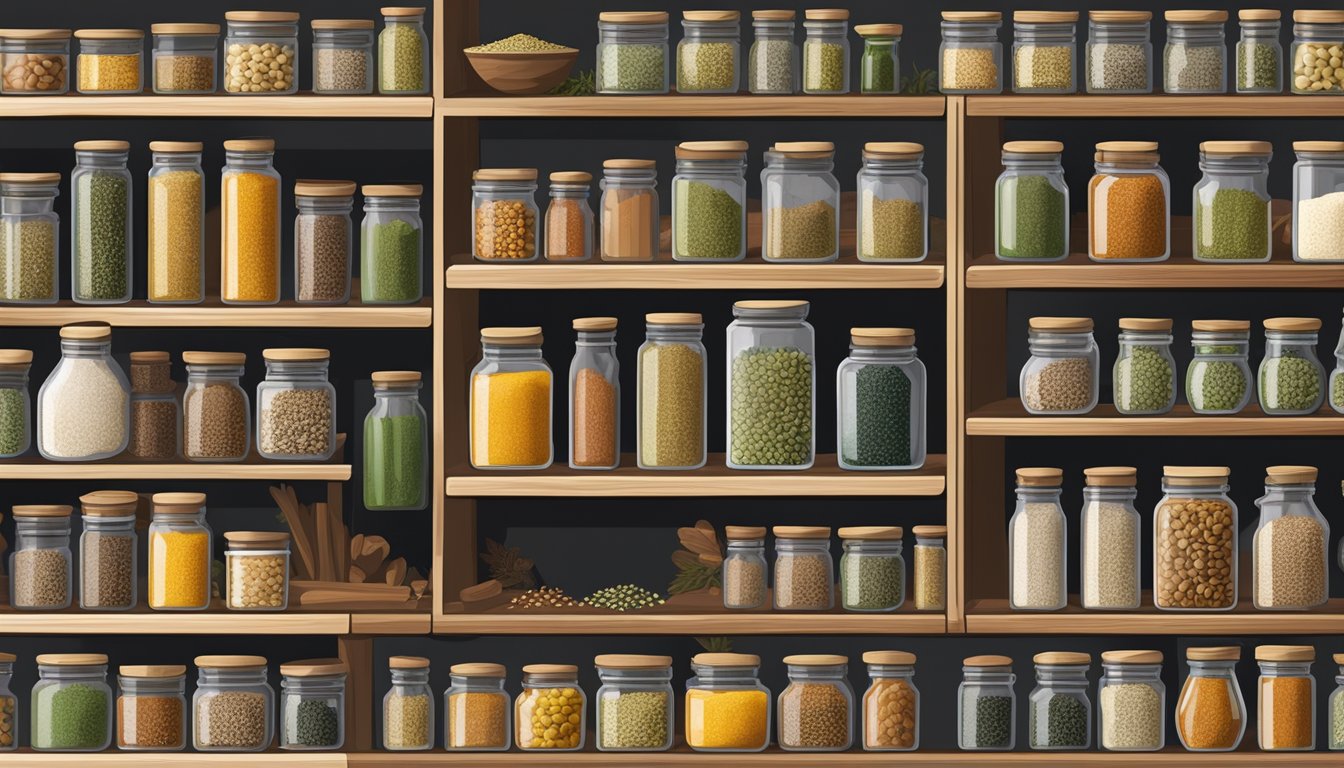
{"x": 524, "y": 73}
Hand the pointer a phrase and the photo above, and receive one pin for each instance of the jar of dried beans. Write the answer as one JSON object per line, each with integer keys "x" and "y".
{"x": 1210, "y": 713}
{"x": 154, "y": 411}
{"x": 744, "y": 568}
{"x": 296, "y": 406}
{"x": 551, "y": 714}
{"x": 1045, "y": 49}
{"x": 1037, "y": 543}
{"x": 930, "y": 577}
{"x": 1144, "y": 375}
{"x": 34, "y": 62}
{"x": 881, "y": 401}
{"x": 1286, "y": 698}
{"x": 986, "y": 705}
{"x": 727, "y": 707}
{"x": 1232, "y": 218}
{"x": 71, "y": 703}
{"x": 632, "y": 52}
{"x": 772, "y": 384}
{"x": 1059, "y": 711}
{"x": 110, "y": 61}
{"x": 569, "y": 217}
{"x": 234, "y": 705}
{"x": 971, "y": 54}
{"x": 803, "y": 568}
{"x": 152, "y": 708}
{"x": 477, "y": 710}
{"x": 396, "y": 444}
{"x": 1132, "y": 702}
{"x": 392, "y": 250}
{"x": 709, "y": 201}
{"x": 511, "y": 426}
{"x": 1111, "y": 530}
{"x": 261, "y": 52}
{"x": 312, "y": 705}
{"x": 216, "y": 417}
{"x": 1060, "y": 377}
{"x": 257, "y": 570}
{"x": 408, "y": 706}
{"x": 250, "y": 213}
{"x": 1195, "y": 558}
{"x": 630, "y": 220}
{"x": 1128, "y": 204}
{"x": 84, "y": 406}
{"x": 1318, "y": 37}
{"x": 1195, "y": 59}
{"x": 772, "y": 62}
{"x": 595, "y": 396}
{"x": 100, "y": 229}
{"x": 708, "y": 54}
{"x": 9, "y": 705}
{"x": 634, "y": 704}
{"x": 800, "y": 203}
{"x": 185, "y": 57}
{"x": 1318, "y": 200}
{"x": 322, "y": 241}
{"x": 176, "y": 223}
{"x": 343, "y": 56}
{"x": 1218, "y": 380}
{"x": 1292, "y": 380}
{"x": 504, "y": 210}
{"x": 1031, "y": 203}
{"x": 29, "y": 234}
{"x": 826, "y": 50}
{"x": 893, "y": 203}
{"x": 16, "y": 414}
{"x": 40, "y": 564}
{"x": 179, "y": 553}
{"x": 672, "y": 383}
{"x": 872, "y": 570}
{"x": 891, "y": 703}
{"x": 1291, "y": 559}
{"x": 107, "y": 551}
{"x": 816, "y": 710}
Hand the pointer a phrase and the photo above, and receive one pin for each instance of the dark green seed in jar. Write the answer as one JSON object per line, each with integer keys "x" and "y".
{"x": 871, "y": 582}
{"x": 1032, "y": 219}
{"x": 1289, "y": 383}
{"x": 1234, "y": 225}
{"x": 1143, "y": 381}
{"x": 13, "y": 421}
{"x": 878, "y": 68}
{"x": 101, "y": 209}
{"x": 987, "y": 722}
{"x": 315, "y": 724}
{"x": 1257, "y": 67}
{"x": 635, "y": 720}
{"x": 771, "y": 408}
{"x": 1065, "y": 723}
{"x": 823, "y": 67}
{"x": 882, "y": 418}
{"x": 1214, "y": 385}
{"x": 708, "y": 223}
{"x": 632, "y": 67}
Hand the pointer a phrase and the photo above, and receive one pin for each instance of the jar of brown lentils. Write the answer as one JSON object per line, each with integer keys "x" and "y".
{"x": 504, "y": 214}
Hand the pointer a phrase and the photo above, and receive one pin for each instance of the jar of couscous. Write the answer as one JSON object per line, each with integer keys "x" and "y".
{"x": 727, "y": 707}
{"x": 826, "y": 50}
{"x": 1291, "y": 559}
{"x": 1111, "y": 540}
{"x": 408, "y": 706}
{"x": 1131, "y": 702}
{"x": 744, "y": 569}
{"x": 1038, "y": 543}
{"x": 511, "y": 401}
{"x": 1318, "y": 201}
{"x": 1045, "y": 51}
{"x": 110, "y": 61}
{"x": 84, "y": 406}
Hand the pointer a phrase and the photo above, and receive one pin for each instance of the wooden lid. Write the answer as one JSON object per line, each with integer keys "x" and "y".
{"x": 108, "y": 503}
{"x": 153, "y": 670}
{"x": 903, "y": 658}
{"x": 711, "y": 15}
{"x": 16, "y": 356}
{"x": 1145, "y": 324}
{"x": 987, "y": 661}
{"x": 407, "y": 662}
{"x": 249, "y": 145}
{"x": 1214, "y": 653}
{"x": 478, "y": 669}
{"x": 1069, "y": 658}
{"x": 42, "y": 510}
{"x": 35, "y": 34}
{"x": 801, "y": 532}
{"x": 1197, "y": 475}
{"x": 342, "y": 24}
{"x": 571, "y": 177}
{"x": 71, "y": 659}
{"x": 176, "y": 146}
{"x": 1072, "y": 324}
{"x": 674, "y": 318}
{"x": 110, "y": 34}
{"x": 769, "y": 304}
{"x": 872, "y": 532}
{"x": 1290, "y": 475}
{"x": 1318, "y": 146}
{"x": 1111, "y": 477}
{"x": 826, "y": 14}
{"x": 318, "y": 188}
{"x": 1127, "y": 147}
{"x": 595, "y": 323}
{"x": 744, "y": 532}
{"x": 1244, "y": 148}
{"x": 1196, "y": 17}
{"x": 1293, "y": 324}
{"x": 1259, "y": 14}
{"x": 257, "y": 539}
{"x": 879, "y": 30}
{"x": 230, "y": 662}
{"x": 177, "y": 503}
{"x": 1045, "y": 17}
{"x": 930, "y": 531}
{"x": 882, "y": 337}
{"x": 295, "y": 354}
{"x": 398, "y": 190}
{"x": 395, "y": 377}
{"x": 774, "y": 15}
{"x": 1132, "y": 657}
{"x": 633, "y": 17}
{"x": 314, "y": 668}
{"x": 972, "y": 16}
{"x": 1040, "y": 477}
{"x": 1285, "y": 653}
{"x": 628, "y": 164}
{"x": 711, "y": 150}
{"x": 816, "y": 660}
{"x": 261, "y": 16}
{"x": 805, "y": 150}
{"x": 402, "y": 10}
{"x": 550, "y": 669}
{"x": 1338, "y": 658}
{"x": 631, "y": 661}
{"x": 893, "y": 149}
{"x": 7, "y": 658}
{"x": 30, "y": 178}
{"x": 151, "y": 357}
{"x": 512, "y": 337}
{"x": 726, "y": 659}
{"x": 184, "y": 29}
{"x": 214, "y": 358}
{"x": 1319, "y": 17}
{"x": 504, "y": 174}
{"x": 1034, "y": 147}
{"x": 1225, "y": 326}
{"x": 86, "y": 332}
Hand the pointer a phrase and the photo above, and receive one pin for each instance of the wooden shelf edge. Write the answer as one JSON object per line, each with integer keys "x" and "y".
{"x": 523, "y": 623}
{"x": 400, "y": 623}
{"x": 851, "y": 105}
{"x": 218, "y": 105}
{"x": 1151, "y": 105}
{"x": 1078, "y": 271}
{"x": 993, "y": 617}
{"x": 1007, "y": 418}
{"x": 924, "y": 275}
{"x": 179, "y": 471}
{"x": 144, "y": 315}
{"x": 28, "y": 759}
{"x": 1173, "y": 758}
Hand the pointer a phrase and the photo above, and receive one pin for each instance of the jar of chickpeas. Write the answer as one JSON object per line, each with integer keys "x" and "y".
{"x": 550, "y": 712}
{"x": 504, "y": 214}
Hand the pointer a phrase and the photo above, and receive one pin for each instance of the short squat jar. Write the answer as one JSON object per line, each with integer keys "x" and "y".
{"x": 511, "y": 422}
{"x": 1318, "y": 37}
{"x": 478, "y": 712}
{"x": 256, "y": 570}
{"x": 40, "y": 566}
{"x": 671, "y": 421}
{"x": 1128, "y": 204}
{"x": 569, "y": 227}
{"x": 233, "y": 706}
{"x": 986, "y": 705}
{"x": 30, "y": 227}
{"x": 180, "y": 547}
{"x": 1195, "y": 541}
{"x": 261, "y": 53}
{"x": 1292, "y": 380}
{"x": 312, "y": 705}
{"x": 826, "y": 51}
{"x": 816, "y": 710}
{"x": 1259, "y": 64}
{"x": 629, "y": 210}
{"x": 34, "y": 62}
{"x": 1231, "y": 204}
{"x": 343, "y": 56}
{"x": 1111, "y": 540}
{"x": 772, "y": 382}
{"x": 1318, "y": 200}
{"x": 16, "y": 407}
{"x": 396, "y": 444}
{"x": 152, "y": 708}
{"x": 1132, "y": 702}
{"x": 893, "y": 192}
{"x": 1195, "y": 58}
{"x": 1037, "y": 543}
{"x": 322, "y": 241}
{"x": 1286, "y": 698}
{"x": 392, "y": 243}
{"x": 634, "y": 704}
{"x": 1218, "y": 380}
{"x": 1031, "y": 203}
{"x": 216, "y": 414}
{"x": 880, "y": 64}
{"x": 176, "y": 228}
{"x": 708, "y": 54}
{"x": 1060, "y": 376}
{"x": 84, "y": 406}
{"x": 108, "y": 551}
{"x": 727, "y": 707}
{"x": 872, "y": 569}
{"x": 800, "y": 203}
{"x": 1291, "y": 560}
{"x": 71, "y": 704}
{"x": 594, "y": 396}
{"x": 111, "y": 61}
{"x": 296, "y": 406}
{"x": 890, "y": 716}
{"x": 403, "y": 51}
{"x": 408, "y": 706}
{"x": 1045, "y": 51}
{"x": 744, "y": 568}
{"x": 546, "y": 686}
{"x": 632, "y": 52}
{"x": 100, "y": 227}
{"x": 1060, "y": 714}
{"x": 772, "y": 63}
{"x": 1144, "y": 375}
{"x": 803, "y": 568}
{"x": 709, "y": 201}
{"x": 1211, "y": 713}
{"x": 504, "y": 212}
{"x": 185, "y": 58}
{"x": 971, "y": 54}
{"x": 881, "y": 402}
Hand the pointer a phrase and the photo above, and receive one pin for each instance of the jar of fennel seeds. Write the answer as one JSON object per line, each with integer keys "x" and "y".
{"x": 744, "y": 568}
{"x": 100, "y": 229}
{"x": 1119, "y": 52}
{"x": 477, "y": 711}
{"x": 672, "y": 382}
{"x": 296, "y": 406}
{"x": 504, "y": 212}
{"x": 176, "y": 226}
{"x": 322, "y": 234}
{"x": 881, "y": 401}
{"x": 392, "y": 242}
{"x": 1231, "y": 205}
{"x": 1045, "y": 51}
{"x": 39, "y": 566}
{"x": 1195, "y": 58}
{"x": 185, "y": 57}
{"x": 772, "y": 62}
{"x": 803, "y": 568}
{"x": 152, "y": 708}
{"x": 826, "y": 50}
{"x": 1291, "y": 562}
{"x": 595, "y": 396}
{"x": 1292, "y": 380}
{"x": 707, "y": 56}
{"x": 971, "y": 56}
{"x": 1031, "y": 203}
{"x": 816, "y": 710}
{"x": 1144, "y": 375}
{"x": 569, "y": 217}
{"x": 632, "y": 52}
{"x": 986, "y": 705}
{"x": 312, "y": 705}
{"x": 256, "y": 566}
{"x": 800, "y": 203}
{"x": 216, "y": 416}
{"x": 233, "y": 706}
{"x": 891, "y": 703}
{"x": 629, "y": 210}
{"x": 396, "y": 435}
{"x": 1218, "y": 380}
{"x": 1111, "y": 529}
{"x": 16, "y": 408}
{"x": 1059, "y": 713}
{"x": 893, "y": 203}
{"x": 154, "y": 411}
{"x": 872, "y": 570}
{"x": 84, "y": 406}
{"x": 880, "y": 66}
{"x": 772, "y": 384}
{"x": 1128, "y": 204}
{"x": 403, "y": 51}
{"x": 107, "y": 551}
{"x": 634, "y": 704}
{"x": 709, "y": 201}
{"x": 1259, "y": 66}
{"x": 408, "y": 706}
{"x": 1318, "y": 41}
{"x": 71, "y": 704}
{"x": 1060, "y": 376}
{"x": 1037, "y": 543}
{"x": 343, "y": 56}
{"x": 34, "y": 62}
{"x": 29, "y": 231}
{"x": 1318, "y": 201}
{"x": 110, "y": 61}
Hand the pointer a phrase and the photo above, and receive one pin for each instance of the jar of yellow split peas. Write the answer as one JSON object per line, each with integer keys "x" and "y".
{"x": 511, "y": 401}
{"x": 550, "y": 712}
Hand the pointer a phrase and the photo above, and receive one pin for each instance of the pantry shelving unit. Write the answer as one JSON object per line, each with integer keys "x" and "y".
{"x": 306, "y": 105}
{"x": 1180, "y": 271}
{"x": 476, "y": 104}
{"x": 1007, "y": 418}
{"x": 212, "y": 314}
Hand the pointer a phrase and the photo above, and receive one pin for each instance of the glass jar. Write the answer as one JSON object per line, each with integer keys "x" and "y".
{"x": 727, "y": 707}
{"x": 1291, "y": 558}
{"x": 1060, "y": 377}
{"x": 71, "y": 704}
{"x": 216, "y": 415}
{"x": 39, "y": 565}
{"x": 1259, "y": 55}
{"x": 1110, "y": 540}
{"x": 477, "y": 710}
{"x": 250, "y": 212}
{"x": 180, "y": 550}
{"x": 1195, "y": 59}
{"x": 1232, "y": 218}
{"x": 671, "y": 419}
{"x": 803, "y": 568}
{"x": 312, "y": 705}
{"x": 880, "y": 65}
{"x": 9, "y": 705}
{"x": 1128, "y": 204}
{"x": 176, "y": 228}
{"x": 408, "y": 706}
{"x": 930, "y": 568}
{"x": 185, "y": 57}
{"x": 155, "y": 415}
{"x": 1211, "y": 714}
{"x": 1195, "y": 533}
{"x": 29, "y": 232}
{"x": 1132, "y": 702}
{"x": 707, "y": 56}
{"x": 111, "y": 61}
{"x": 1060, "y": 712}
{"x": 1045, "y": 51}
{"x": 393, "y": 243}
{"x": 84, "y": 406}
{"x": 1336, "y": 378}
{"x": 1286, "y": 698}
{"x": 744, "y": 568}
{"x": 872, "y": 570}
{"x": 296, "y": 406}
{"x": 511, "y": 402}
{"x": 632, "y": 52}
{"x": 709, "y": 201}
{"x": 1031, "y": 203}
{"x": 1144, "y": 376}
{"x": 1218, "y": 380}
{"x": 772, "y": 62}
{"x": 1292, "y": 380}
{"x": 260, "y": 52}
{"x": 1336, "y": 709}
{"x": 772, "y": 381}
{"x": 343, "y": 56}
{"x": 100, "y": 224}
{"x": 34, "y": 62}
{"x": 1037, "y": 543}
{"x": 504, "y": 210}
{"x": 630, "y": 219}
{"x": 595, "y": 396}
{"x": 1318, "y": 36}
{"x": 152, "y": 708}
{"x": 800, "y": 203}
{"x": 403, "y": 51}
{"x": 107, "y": 551}
{"x": 816, "y": 710}
{"x": 893, "y": 203}
{"x": 322, "y": 235}
{"x": 891, "y": 703}
{"x": 16, "y": 414}
{"x": 234, "y": 705}
{"x": 1318, "y": 200}
{"x": 881, "y": 401}
{"x": 546, "y": 686}
{"x": 986, "y": 705}
{"x": 634, "y": 704}
{"x": 396, "y": 444}
{"x": 971, "y": 54}
{"x": 257, "y": 570}
{"x": 826, "y": 51}
{"x": 569, "y": 217}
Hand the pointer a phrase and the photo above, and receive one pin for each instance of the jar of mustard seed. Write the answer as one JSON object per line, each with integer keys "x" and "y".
{"x": 111, "y": 61}
{"x": 744, "y": 569}
{"x": 1061, "y": 375}
{"x": 632, "y": 52}
{"x": 477, "y": 710}
{"x": 108, "y": 551}
{"x": 971, "y": 54}
{"x": 727, "y": 707}
{"x": 634, "y": 704}
{"x": 800, "y": 203}
{"x": 803, "y": 568}
{"x": 1318, "y": 38}
{"x": 1195, "y": 59}
{"x": 322, "y": 241}
{"x": 511, "y": 401}
{"x": 31, "y": 227}
{"x": 709, "y": 52}
{"x": 569, "y": 217}
{"x": 1144, "y": 376}
{"x": 1128, "y": 204}
{"x": 16, "y": 406}
{"x": 185, "y": 57}
{"x": 1045, "y": 51}
{"x": 1292, "y": 380}
{"x": 893, "y": 214}
{"x": 1218, "y": 380}
{"x": 629, "y": 210}
{"x": 709, "y": 201}
{"x": 772, "y": 63}
{"x": 816, "y": 710}
{"x": 1232, "y": 216}
{"x": 671, "y": 410}
{"x": 1031, "y": 203}
{"x": 504, "y": 210}
{"x": 34, "y": 62}
{"x": 891, "y": 703}
{"x": 826, "y": 51}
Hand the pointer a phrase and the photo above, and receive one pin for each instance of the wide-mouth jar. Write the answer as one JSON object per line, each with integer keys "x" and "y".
{"x": 34, "y": 62}
{"x": 477, "y": 710}
{"x": 312, "y": 704}
{"x": 1219, "y": 380}
{"x": 342, "y": 56}
{"x": 1195, "y": 57}
{"x": 1232, "y": 216}
{"x": 893, "y": 203}
{"x": 1131, "y": 702}
{"x": 260, "y": 52}
{"x": 1318, "y": 37}
{"x": 296, "y": 406}
{"x": 987, "y": 705}
{"x": 152, "y": 708}
{"x": 511, "y": 426}
{"x": 1045, "y": 51}
{"x": 634, "y": 704}
{"x": 233, "y": 706}
{"x": 708, "y": 55}
{"x": 71, "y": 704}
{"x": 1195, "y": 541}
{"x": 1211, "y": 713}
{"x": 1061, "y": 375}
{"x": 185, "y": 57}
{"x": 727, "y": 707}
{"x": 1031, "y": 203}
{"x": 632, "y": 52}
{"x": 40, "y": 564}
{"x": 110, "y": 61}
{"x": 1128, "y": 204}
{"x": 504, "y": 212}
{"x": 1292, "y": 380}
{"x": 709, "y": 201}
{"x": 971, "y": 55}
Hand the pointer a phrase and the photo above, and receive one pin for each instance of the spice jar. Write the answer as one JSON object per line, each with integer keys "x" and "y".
{"x": 1211, "y": 714}
{"x": 632, "y": 52}
{"x": 16, "y": 420}
{"x": 1291, "y": 561}
{"x": 708, "y": 53}
{"x": 250, "y": 211}
{"x": 540, "y": 726}
{"x": 257, "y": 570}
{"x": 595, "y": 396}
{"x": 505, "y": 214}
{"x": 1060, "y": 377}
{"x": 1110, "y": 540}
{"x": 891, "y": 703}
{"x": 71, "y": 703}
{"x": 29, "y": 227}
{"x": 970, "y": 53}
{"x": 1037, "y": 537}
{"x": 260, "y": 52}
{"x": 296, "y": 406}
{"x": 727, "y": 707}
{"x": 216, "y": 414}
{"x": 403, "y": 51}
{"x": 803, "y": 568}
{"x": 709, "y": 201}
{"x": 569, "y": 218}
{"x": 1128, "y": 204}
{"x": 634, "y": 704}
{"x": 893, "y": 200}
{"x": 154, "y": 411}
{"x": 772, "y": 62}
{"x": 9, "y": 705}
{"x": 185, "y": 56}
{"x": 39, "y": 565}
{"x": 1259, "y": 55}
{"x": 1195, "y": 557}
{"x": 343, "y": 56}
{"x": 1318, "y": 37}
{"x": 630, "y": 220}
{"x": 408, "y": 706}
{"x": 826, "y": 50}
{"x": 986, "y": 704}
{"x": 34, "y": 62}
{"x": 800, "y": 203}
{"x": 477, "y": 710}
{"x": 930, "y": 567}
{"x": 1336, "y": 707}
{"x": 511, "y": 401}
{"x": 816, "y": 709}
{"x": 107, "y": 551}
{"x": 312, "y": 705}
{"x": 1195, "y": 59}
{"x": 179, "y": 553}
{"x": 1218, "y": 380}
{"x": 1231, "y": 209}
{"x": 1317, "y": 205}
{"x": 881, "y": 396}
{"x": 322, "y": 234}
{"x": 233, "y": 704}
{"x": 672, "y": 382}
{"x": 1060, "y": 713}
{"x": 880, "y": 65}
{"x": 392, "y": 247}
{"x": 176, "y": 228}
{"x": 744, "y": 568}
{"x": 1292, "y": 380}
{"x": 152, "y": 708}
{"x": 1145, "y": 374}
{"x": 84, "y": 406}
{"x": 100, "y": 224}
{"x": 1132, "y": 702}
{"x": 772, "y": 380}
{"x": 1286, "y": 698}
{"x": 111, "y": 60}
{"x": 1044, "y": 51}
{"x": 1336, "y": 379}
{"x": 396, "y": 444}
{"x": 1031, "y": 203}
{"x": 872, "y": 570}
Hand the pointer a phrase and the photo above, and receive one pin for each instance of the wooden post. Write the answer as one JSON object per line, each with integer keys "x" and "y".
{"x": 357, "y": 653}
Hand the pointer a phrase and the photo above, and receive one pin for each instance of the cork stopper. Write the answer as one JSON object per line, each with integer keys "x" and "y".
{"x": 801, "y": 532}
{"x": 524, "y": 336}
{"x": 744, "y": 532}
{"x": 478, "y": 669}
{"x": 1196, "y": 476}
{"x": 1062, "y": 658}
{"x": 631, "y": 661}
{"x": 726, "y": 660}
{"x": 895, "y": 658}
{"x": 1285, "y": 653}
{"x": 987, "y": 661}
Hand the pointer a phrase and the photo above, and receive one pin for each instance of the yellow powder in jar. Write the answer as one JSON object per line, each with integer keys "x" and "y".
{"x": 179, "y": 566}
{"x": 511, "y": 419}
{"x": 476, "y": 721}
{"x": 175, "y": 236}
{"x": 726, "y": 719}
{"x": 109, "y": 72}
{"x": 250, "y": 214}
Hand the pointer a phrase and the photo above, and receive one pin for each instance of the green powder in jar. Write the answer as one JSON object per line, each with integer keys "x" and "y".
{"x": 823, "y": 67}
{"x": 390, "y": 270}
{"x": 27, "y": 260}
{"x": 1032, "y": 219}
{"x": 394, "y": 462}
{"x": 708, "y": 222}
{"x": 102, "y": 206}
{"x": 632, "y": 67}
{"x": 1233, "y": 226}
{"x": 770, "y": 411}
{"x": 72, "y": 717}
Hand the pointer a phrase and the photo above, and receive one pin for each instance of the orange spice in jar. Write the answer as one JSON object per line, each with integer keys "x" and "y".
{"x": 891, "y": 704}
{"x": 1210, "y": 714}
{"x": 569, "y": 219}
{"x": 630, "y": 221}
{"x": 1128, "y": 204}
{"x": 1287, "y": 697}
{"x": 504, "y": 214}
{"x": 595, "y": 391}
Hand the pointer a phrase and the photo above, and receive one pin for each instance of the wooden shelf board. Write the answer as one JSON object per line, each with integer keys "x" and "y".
{"x": 1078, "y": 271}
{"x": 680, "y": 106}
{"x": 1153, "y": 105}
{"x": 26, "y": 758}
{"x": 994, "y": 617}
{"x": 1007, "y": 418}
{"x": 142, "y": 621}
{"x": 213, "y": 314}
{"x": 387, "y": 623}
{"x": 218, "y": 105}
{"x": 33, "y": 467}
{"x": 825, "y": 478}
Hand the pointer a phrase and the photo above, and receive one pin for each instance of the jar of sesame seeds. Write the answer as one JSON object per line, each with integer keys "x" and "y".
{"x": 1195, "y": 59}
{"x": 804, "y": 570}
{"x": 1060, "y": 376}
{"x": 185, "y": 57}
{"x": 343, "y": 56}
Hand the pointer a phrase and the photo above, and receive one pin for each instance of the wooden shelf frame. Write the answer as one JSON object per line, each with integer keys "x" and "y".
{"x": 287, "y": 314}
{"x": 220, "y": 105}
{"x": 481, "y": 102}
{"x": 214, "y": 622}
{"x": 1008, "y": 418}
{"x": 1156, "y": 105}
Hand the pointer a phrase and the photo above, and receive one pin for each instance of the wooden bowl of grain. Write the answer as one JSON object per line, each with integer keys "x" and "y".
{"x": 523, "y": 72}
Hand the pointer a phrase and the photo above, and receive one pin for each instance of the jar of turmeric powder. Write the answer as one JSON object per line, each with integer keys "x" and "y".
{"x": 476, "y": 709}
{"x": 504, "y": 214}
{"x": 179, "y": 553}
{"x": 630, "y": 220}
{"x": 551, "y": 713}
{"x": 249, "y": 209}
{"x": 1286, "y": 698}
{"x": 511, "y": 401}
{"x": 595, "y": 396}
{"x": 1128, "y": 204}
{"x": 1211, "y": 714}
{"x": 727, "y": 707}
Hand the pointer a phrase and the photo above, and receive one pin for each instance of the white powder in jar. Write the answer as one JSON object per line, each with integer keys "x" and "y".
{"x": 82, "y": 410}
{"x": 1110, "y": 556}
{"x": 1038, "y": 557}
{"x": 1320, "y": 228}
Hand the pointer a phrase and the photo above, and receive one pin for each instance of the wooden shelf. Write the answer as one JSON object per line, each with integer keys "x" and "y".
{"x": 1078, "y": 271}
{"x": 218, "y": 105}
{"x": 993, "y": 617}
{"x": 25, "y": 758}
{"x": 1007, "y": 418}
{"x": 33, "y": 467}
{"x": 218, "y": 620}
{"x": 1153, "y": 105}
{"x": 213, "y": 314}
{"x": 681, "y": 106}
